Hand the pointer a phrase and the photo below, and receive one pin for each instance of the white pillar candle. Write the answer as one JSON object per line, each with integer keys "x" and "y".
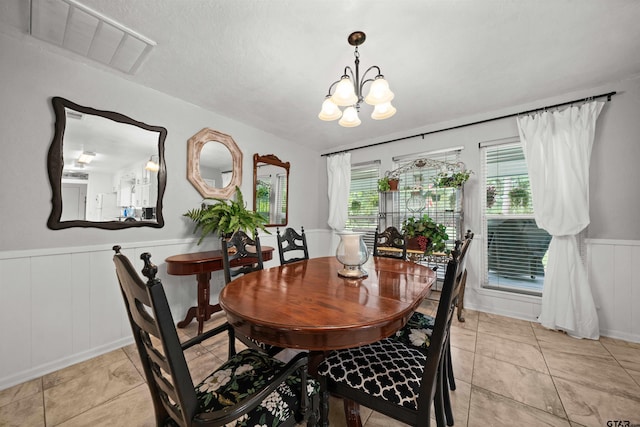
{"x": 351, "y": 248}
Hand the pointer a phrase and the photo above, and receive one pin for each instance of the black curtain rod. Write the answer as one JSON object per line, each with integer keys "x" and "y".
{"x": 589, "y": 98}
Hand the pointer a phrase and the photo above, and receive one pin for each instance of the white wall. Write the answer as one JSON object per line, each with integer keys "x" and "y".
{"x": 32, "y": 74}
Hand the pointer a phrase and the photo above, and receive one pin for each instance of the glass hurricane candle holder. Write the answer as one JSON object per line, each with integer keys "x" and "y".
{"x": 352, "y": 253}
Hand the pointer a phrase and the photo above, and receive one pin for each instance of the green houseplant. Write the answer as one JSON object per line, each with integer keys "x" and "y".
{"x": 452, "y": 179}
{"x": 519, "y": 196}
{"x": 263, "y": 190}
{"x": 388, "y": 183}
{"x": 426, "y": 233}
{"x": 491, "y": 195}
{"x": 383, "y": 184}
{"x": 226, "y": 217}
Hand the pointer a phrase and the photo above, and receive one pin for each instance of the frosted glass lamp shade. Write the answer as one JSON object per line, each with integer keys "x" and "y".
{"x": 345, "y": 94}
{"x": 330, "y": 111}
{"x": 379, "y": 92}
{"x": 349, "y": 118}
{"x": 383, "y": 111}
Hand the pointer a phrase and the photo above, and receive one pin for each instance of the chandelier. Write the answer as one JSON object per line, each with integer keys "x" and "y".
{"x": 348, "y": 92}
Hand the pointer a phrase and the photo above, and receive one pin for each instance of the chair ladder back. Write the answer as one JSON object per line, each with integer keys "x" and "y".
{"x": 176, "y": 400}
{"x": 165, "y": 367}
{"x": 444, "y": 317}
{"x": 135, "y": 295}
{"x": 245, "y": 261}
{"x": 288, "y": 241}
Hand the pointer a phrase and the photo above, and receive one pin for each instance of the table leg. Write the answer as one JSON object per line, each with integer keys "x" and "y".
{"x": 351, "y": 408}
{"x": 315, "y": 358}
{"x": 204, "y": 310}
{"x": 352, "y": 413}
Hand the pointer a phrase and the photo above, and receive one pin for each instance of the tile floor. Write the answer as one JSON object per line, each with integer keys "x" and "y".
{"x": 509, "y": 372}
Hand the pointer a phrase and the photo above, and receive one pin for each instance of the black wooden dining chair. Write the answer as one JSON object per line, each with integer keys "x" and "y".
{"x": 391, "y": 377}
{"x": 390, "y": 238}
{"x": 293, "y": 245}
{"x": 243, "y": 248}
{"x": 418, "y": 330}
{"x": 248, "y": 253}
{"x": 242, "y": 391}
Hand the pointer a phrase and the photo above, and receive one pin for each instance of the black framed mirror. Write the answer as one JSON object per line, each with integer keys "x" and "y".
{"x": 106, "y": 170}
{"x": 271, "y": 189}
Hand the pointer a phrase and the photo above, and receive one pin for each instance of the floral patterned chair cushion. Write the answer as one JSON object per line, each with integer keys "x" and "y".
{"x": 243, "y": 374}
{"x": 417, "y": 332}
{"x": 387, "y": 369}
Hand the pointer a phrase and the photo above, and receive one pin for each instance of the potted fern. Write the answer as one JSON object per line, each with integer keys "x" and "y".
{"x": 226, "y": 217}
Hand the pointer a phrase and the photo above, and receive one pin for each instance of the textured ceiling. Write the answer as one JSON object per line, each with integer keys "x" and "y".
{"x": 270, "y": 63}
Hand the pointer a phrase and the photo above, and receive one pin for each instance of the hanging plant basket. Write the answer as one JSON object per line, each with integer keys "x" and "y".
{"x": 452, "y": 179}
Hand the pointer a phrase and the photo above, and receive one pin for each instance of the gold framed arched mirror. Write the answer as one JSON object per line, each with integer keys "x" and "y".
{"x": 271, "y": 189}
{"x": 106, "y": 169}
{"x": 214, "y": 164}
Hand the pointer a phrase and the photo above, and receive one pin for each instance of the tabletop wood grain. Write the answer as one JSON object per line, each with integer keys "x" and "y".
{"x": 306, "y": 305}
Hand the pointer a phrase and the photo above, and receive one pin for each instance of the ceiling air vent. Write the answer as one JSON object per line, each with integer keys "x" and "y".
{"x": 75, "y": 27}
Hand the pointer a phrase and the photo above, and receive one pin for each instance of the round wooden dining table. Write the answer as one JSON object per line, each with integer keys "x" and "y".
{"x": 306, "y": 305}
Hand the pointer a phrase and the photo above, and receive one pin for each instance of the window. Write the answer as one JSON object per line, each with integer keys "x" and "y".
{"x": 281, "y": 197}
{"x": 515, "y": 256}
{"x": 363, "y": 199}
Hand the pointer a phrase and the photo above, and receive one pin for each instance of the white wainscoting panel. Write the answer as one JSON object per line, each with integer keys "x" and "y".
{"x": 615, "y": 281}
{"x": 52, "y": 311}
{"x": 614, "y": 277}
{"x": 61, "y": 306}
{"x": 15, "y": 316}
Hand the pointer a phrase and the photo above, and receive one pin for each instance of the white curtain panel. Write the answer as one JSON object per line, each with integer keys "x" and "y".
{"x": 339, "y": 174}
{"x": 557, "y": 147}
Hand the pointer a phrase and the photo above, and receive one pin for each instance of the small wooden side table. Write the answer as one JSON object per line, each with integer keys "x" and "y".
{"x": 202, "y": 264}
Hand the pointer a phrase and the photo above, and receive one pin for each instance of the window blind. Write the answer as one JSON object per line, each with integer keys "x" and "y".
{"x": 281, "y": 203}
{"x": 515, "y": 255}
{"x": 364, "y": 199}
